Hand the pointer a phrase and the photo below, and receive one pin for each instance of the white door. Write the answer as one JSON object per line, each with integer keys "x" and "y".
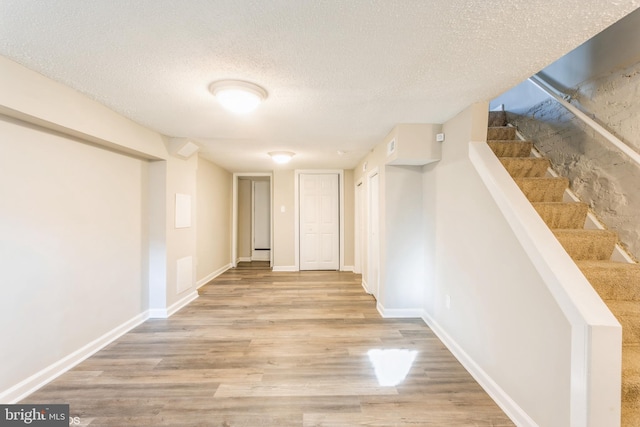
{"x": 319, "y": 222}
{"x": 373, "y": 281}
{"x": 261, "y": 221}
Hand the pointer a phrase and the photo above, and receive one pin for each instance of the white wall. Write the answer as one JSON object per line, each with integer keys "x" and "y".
{"x": 72, "y": 246}
{"x": 471, "y": 279}
{"x": 404, "y": 264}
{"x": 501, "y": 315}
{"x": 402, "y": 269}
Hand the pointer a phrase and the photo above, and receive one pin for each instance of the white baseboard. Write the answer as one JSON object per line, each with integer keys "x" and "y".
{"x": 165, "y": 313}
{"x": 200, "y": 283}
{"x": 502, "y": 399}
{"x": 48, "y": 374}
{"x": 399, "y": 313}
{"x": 284, "y": 268}
{"x": 261, "y": 256}
{"x": 349, "y": 268}
{"x": 365, "y": 287}
{"x": 243, "y": 259}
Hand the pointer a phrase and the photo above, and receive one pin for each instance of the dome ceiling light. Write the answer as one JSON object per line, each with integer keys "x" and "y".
{"x": 238, "y": 96}
{"x": 281, "y": 157}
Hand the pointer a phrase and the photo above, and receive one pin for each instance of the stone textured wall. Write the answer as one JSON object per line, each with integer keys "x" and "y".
{"x": 600, "y": 174}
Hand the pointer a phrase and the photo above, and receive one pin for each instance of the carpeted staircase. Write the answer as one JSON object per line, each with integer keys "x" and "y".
{"x": 617, "y": 283}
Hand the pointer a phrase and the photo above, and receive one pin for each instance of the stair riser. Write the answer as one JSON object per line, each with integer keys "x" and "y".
{"x": 543, "y": 189}
{"x": 497, "y": 118}
{"x": 614, "y": 291}
{"x": 621, "y": 284}
{"x": 630, "y": 329}
{"x": 511, "y": 148}
{"x": 506, "y": 132}
{"x": 525, "y": 167}
{"x": 562, "y": 215}
{"x": 587, "y": 246}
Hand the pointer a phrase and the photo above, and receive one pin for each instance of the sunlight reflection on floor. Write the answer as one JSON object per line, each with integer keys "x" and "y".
{"x": 391, "y": 365}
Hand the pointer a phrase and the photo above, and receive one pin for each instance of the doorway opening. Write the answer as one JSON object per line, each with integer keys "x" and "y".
{"x": 252, "y": 219}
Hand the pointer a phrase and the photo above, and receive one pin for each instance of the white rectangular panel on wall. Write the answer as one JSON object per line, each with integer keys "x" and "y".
{"x": 183, "y": 210}
{"x": 184, "y": 273}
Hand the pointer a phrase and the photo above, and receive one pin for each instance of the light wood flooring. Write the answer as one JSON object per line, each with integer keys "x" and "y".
{"x": 261, "y": 349}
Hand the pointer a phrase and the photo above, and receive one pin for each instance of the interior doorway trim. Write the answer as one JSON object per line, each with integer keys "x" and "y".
{"x": 296, "y": 205}
{"x": 358, "y": 223}
{"x": 234, "y": 214}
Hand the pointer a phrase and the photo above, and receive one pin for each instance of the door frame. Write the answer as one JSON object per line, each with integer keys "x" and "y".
{"x": 234, "y": 214}
{"x": 296, "y": 204}
{"x": 373, "y": 288}
{"x": 358, "y": 221}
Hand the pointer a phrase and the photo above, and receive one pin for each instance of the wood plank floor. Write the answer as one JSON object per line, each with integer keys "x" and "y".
{"x": 262, "y": 349}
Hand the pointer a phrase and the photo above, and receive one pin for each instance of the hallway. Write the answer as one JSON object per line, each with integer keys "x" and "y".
{"x": 259, "y": 348}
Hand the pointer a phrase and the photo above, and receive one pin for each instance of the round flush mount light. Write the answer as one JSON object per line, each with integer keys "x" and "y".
{"x": 238, "y": 96}
{"x": 281, "y": 157}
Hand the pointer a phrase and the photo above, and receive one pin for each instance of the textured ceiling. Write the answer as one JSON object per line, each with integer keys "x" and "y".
{"x": 340, "y": 73}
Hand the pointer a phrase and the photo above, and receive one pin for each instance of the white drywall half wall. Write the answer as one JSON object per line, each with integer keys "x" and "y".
{"x": 485, "y": 297}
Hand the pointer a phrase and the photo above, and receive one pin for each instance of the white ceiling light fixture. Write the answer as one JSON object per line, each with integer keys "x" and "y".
{"x": 281, "y": 157}
{"x": 238, "y": 96}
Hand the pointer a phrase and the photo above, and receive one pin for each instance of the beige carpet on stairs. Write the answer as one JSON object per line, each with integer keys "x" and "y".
{"x": 617, "y": 283}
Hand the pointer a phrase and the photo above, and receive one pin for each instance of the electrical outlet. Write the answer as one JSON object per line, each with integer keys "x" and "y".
{"x": 440, "y": 137}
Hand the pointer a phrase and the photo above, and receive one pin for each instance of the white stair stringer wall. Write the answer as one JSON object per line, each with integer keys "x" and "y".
{"x": 596, "y": 336}
{"x": 505, "y": 297}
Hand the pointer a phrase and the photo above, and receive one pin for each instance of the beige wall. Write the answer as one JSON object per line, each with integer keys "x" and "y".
{"x": 213, "y": 219}
{"x": 283, "y": 222}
